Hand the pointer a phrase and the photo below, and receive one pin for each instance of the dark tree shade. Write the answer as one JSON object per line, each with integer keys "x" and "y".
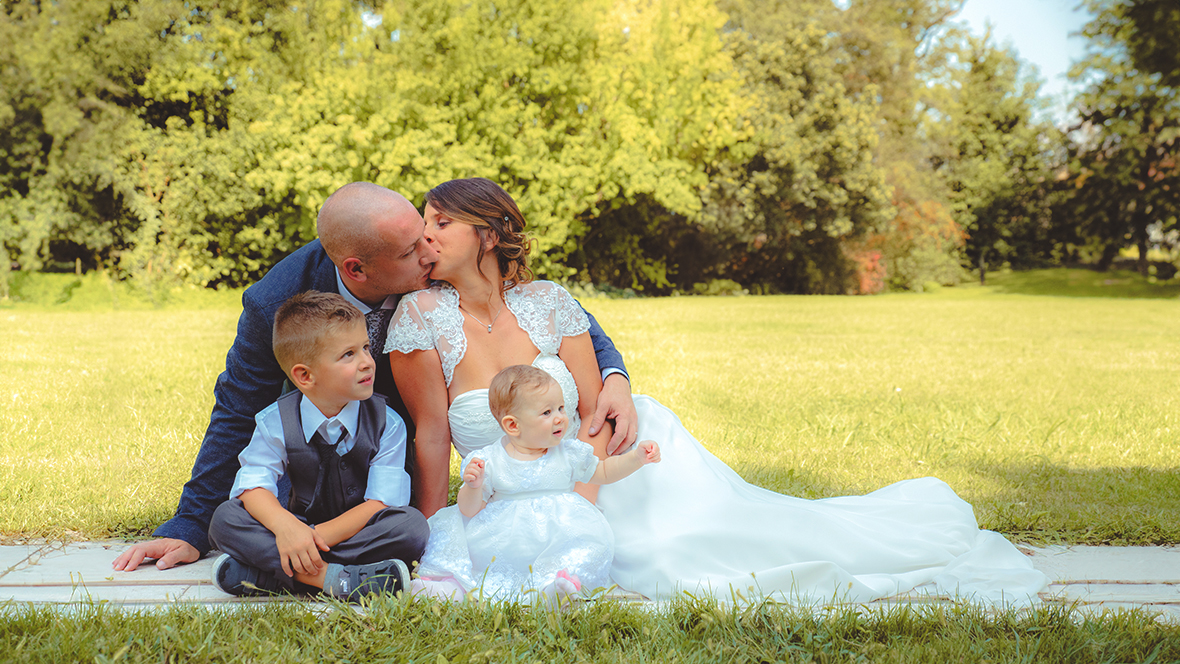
{"x": 1153, "y": 37}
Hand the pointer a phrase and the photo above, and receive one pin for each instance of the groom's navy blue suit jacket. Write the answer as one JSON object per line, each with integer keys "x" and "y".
{"x": 253, "y": 380}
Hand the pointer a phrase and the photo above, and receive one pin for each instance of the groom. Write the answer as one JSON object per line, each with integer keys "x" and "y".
{"x": 371, "y": 250}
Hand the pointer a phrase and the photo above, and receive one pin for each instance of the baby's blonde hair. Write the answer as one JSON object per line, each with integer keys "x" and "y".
{"x": 507, "y": 388}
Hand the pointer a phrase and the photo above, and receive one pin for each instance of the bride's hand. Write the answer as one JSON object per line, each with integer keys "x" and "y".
{"x": 614, "y": 403}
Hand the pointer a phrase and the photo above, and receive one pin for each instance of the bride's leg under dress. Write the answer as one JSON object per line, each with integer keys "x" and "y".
{"x": 690, "y": 523}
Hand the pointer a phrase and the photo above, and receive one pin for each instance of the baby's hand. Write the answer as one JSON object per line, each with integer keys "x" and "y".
{"x": 473, "y": 474}
{"x": 648, "y": 451}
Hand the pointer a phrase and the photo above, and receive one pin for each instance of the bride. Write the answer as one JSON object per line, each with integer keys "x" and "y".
{"x": 689, "y": 523}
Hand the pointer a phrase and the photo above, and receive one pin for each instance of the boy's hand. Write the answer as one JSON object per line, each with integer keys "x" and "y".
{"x": 648, "y": 451}
{"x": 473, "y": 474}
{"x": 299, "y": 548}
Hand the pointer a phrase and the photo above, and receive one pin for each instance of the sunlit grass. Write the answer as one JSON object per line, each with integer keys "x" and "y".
{"x": 685, "y": 631}
{"x": 1056, "y": 417}
{"x": 102, "y": 414}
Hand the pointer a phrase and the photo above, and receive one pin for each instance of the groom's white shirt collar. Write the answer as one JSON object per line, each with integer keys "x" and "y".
{"x": 389, "y": 303}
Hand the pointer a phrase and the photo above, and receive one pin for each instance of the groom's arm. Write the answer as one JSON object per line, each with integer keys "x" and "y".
{"x": 604, "y": 349}
{"x": 251, "y": 381}
{"x": 614, "y": 402}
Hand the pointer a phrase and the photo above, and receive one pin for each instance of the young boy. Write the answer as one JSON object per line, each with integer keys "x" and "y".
{"x": 346, "y": 529}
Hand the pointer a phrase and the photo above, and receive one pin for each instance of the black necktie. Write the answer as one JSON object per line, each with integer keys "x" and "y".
{"x": 377, "y": 322}
{"x": 328, "y": 500}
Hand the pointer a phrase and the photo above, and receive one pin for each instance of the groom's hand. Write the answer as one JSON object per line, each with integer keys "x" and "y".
{"x": 614, "y": 403}
{"x": 167, "y": 552}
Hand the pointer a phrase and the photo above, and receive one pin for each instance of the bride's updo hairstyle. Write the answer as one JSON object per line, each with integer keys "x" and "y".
{"x": 484, "y": 204}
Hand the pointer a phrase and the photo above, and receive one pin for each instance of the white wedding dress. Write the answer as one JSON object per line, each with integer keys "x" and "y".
{"x": 690, "y": 523}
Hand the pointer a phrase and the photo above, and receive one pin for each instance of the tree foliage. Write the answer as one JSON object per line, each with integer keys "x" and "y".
{"x": 1123, "y": 180}
{"x": 1151, "y": 29}
{"x": 652, "y": 144}
{"x": 804, "y": 183}
{"x": 994, "y": 156}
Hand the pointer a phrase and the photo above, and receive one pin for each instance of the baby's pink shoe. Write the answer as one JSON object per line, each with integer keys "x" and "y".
{"x": 572, "y": 579}
{"x": 444, "y": 589}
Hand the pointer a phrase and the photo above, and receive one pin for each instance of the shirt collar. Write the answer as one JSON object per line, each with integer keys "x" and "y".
{"x": 389, "y": 303}
{"x": 313, "y": 419}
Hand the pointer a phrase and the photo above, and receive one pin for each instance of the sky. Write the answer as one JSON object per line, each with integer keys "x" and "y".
{"x": 1039, "y": 30}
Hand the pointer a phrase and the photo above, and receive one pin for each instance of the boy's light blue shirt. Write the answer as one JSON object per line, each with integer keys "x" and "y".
{"x": 264, "y": 460}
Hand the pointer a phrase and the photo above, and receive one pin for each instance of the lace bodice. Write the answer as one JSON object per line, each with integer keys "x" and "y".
{"x": 430, "y": 319}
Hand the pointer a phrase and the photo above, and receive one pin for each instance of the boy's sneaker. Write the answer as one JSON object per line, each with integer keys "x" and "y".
{"x": 352, "y": 582}
{"x": 236, "y": 578}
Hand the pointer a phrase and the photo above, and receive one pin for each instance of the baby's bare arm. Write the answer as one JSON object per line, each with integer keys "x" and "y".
{"x": 470, "y": 498}
{"x": 615, "y": 468}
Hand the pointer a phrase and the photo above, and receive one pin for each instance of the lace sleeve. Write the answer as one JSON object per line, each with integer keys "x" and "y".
{"x": 547, "y": 313}
{"x": 409, "y": 330}
{"x": 581, "y": 458}
{"x": 430, "y": 319}
{"x": 570, "y": 317}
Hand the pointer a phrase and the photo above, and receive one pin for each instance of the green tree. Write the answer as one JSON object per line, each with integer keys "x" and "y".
{"x": 1123, "y": 171}
{"x": 67, "y": 96}
{"x": 993, "y": 154}
{"x": 665, "y": 109}
{"x": 129, "y": 138}
{"x": 1151, "y": 29}
{"x": 890, "y": 53}
{"x": 791, "y": 196}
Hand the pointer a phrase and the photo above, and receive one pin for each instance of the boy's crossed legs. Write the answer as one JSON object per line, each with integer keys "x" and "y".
{"x": 370, "y": 561}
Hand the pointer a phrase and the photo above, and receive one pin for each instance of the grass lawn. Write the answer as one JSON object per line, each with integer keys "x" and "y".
{"x": 397, "y": 630}
{"x": 1049, "y": 405}
{"x": 1055, "y": 416}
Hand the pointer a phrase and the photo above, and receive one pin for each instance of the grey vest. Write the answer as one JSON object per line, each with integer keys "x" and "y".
{"x": 303, "y": 461}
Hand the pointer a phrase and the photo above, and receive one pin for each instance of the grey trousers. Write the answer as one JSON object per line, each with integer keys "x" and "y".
{"x": 394, "y": 532}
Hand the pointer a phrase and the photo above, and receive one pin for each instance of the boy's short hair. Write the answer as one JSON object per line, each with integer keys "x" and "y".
{"x": 511, "y": 384}
{"x": 303, "y": 321}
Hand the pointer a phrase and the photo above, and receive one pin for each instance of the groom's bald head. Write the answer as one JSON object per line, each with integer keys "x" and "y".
{"x": 351, "y": 220}
{"x": 374, "y": 236}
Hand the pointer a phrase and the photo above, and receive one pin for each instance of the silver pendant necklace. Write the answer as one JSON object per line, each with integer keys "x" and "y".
{"x": 487, "y": 325}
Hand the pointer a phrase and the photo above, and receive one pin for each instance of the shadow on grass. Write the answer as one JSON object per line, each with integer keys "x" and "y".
{"x": 782, "y": 478}
{"x": 1075, "y": 282}
{"x": 95, "y": 291}
{"x": 1038, "y": 502}
{"x": 1125, "y": 506}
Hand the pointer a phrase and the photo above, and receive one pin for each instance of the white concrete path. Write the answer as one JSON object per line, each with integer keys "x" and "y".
{"x": 55, "y": 573}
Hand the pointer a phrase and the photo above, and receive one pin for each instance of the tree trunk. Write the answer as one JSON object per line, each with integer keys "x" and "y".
{"x": 982, "y": 267}
{"x": 1139, "y": 222}
{"x": 1108, "y": 253}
